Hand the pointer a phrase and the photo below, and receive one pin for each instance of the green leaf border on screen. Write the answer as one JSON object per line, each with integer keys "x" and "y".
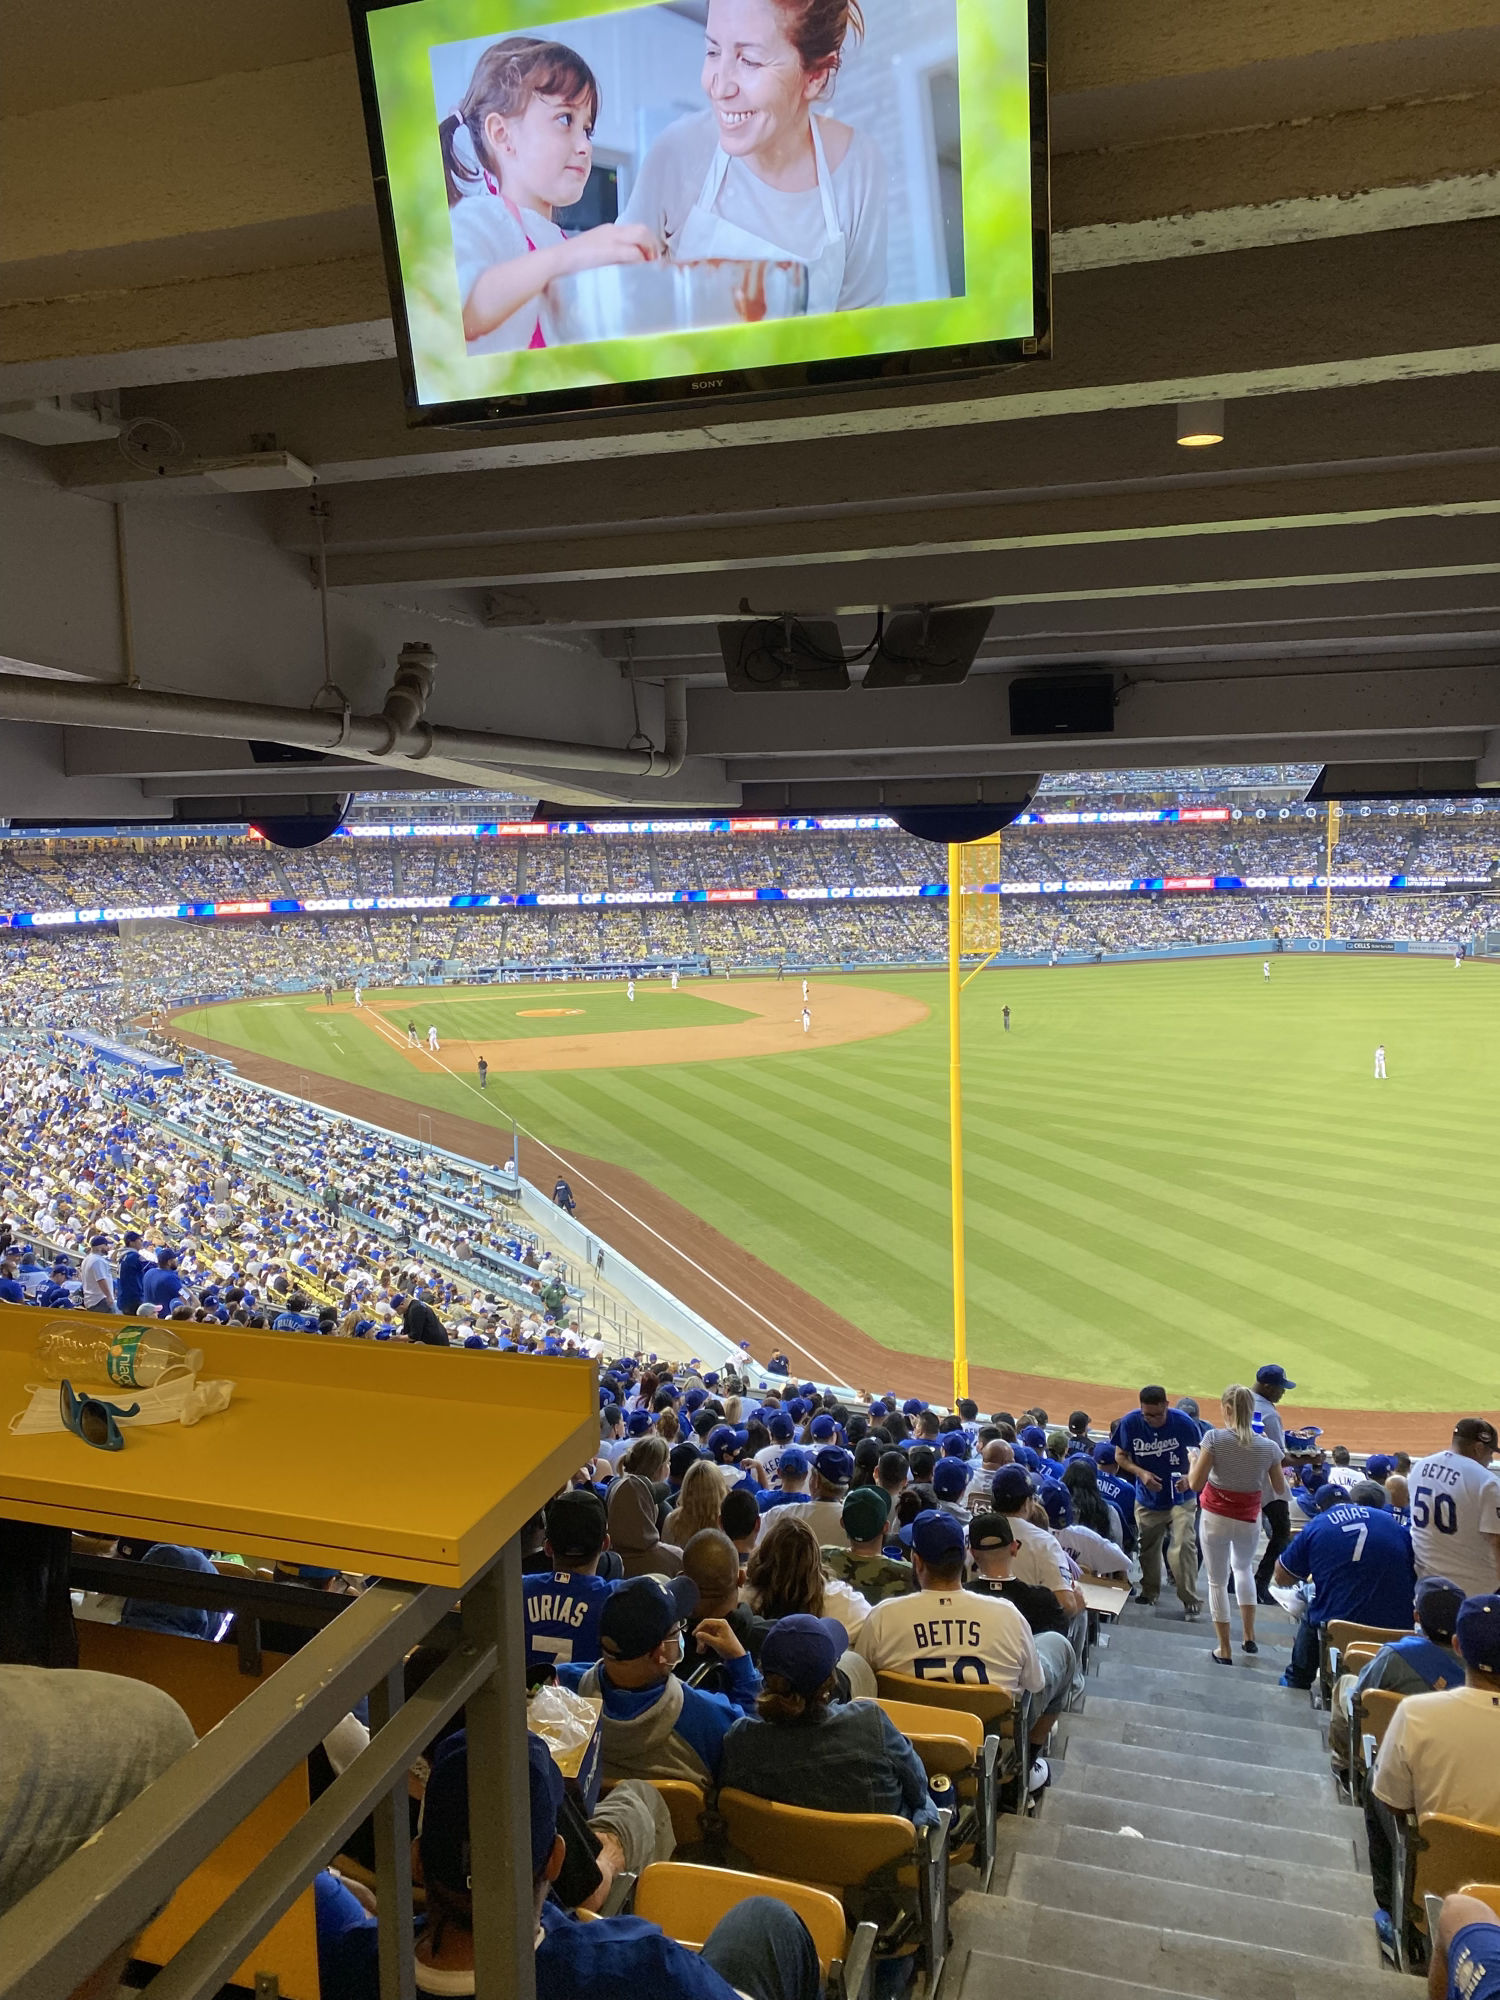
{"x": 1004, "y": 205}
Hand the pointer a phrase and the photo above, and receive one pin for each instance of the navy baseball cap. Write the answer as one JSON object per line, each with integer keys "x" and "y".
{"x": 1058, "y": 1503}
{"x": 832, "y": 1463}
{"x": 1105, "y": 1454}
{"x": 639, "y": 1422}
{"x": 913, "y": 1406}
{"x": 638, "y": 1616}
{"x": 954, "y": 1445}
{"x": 822, "y": 1430}
{"x": 949, "y": 1478}
{"x": 1476, "y": 1634}
{"x": 803, "y": 1650}
{"x": 1378, "y": 1466}
{"x": 682, "y": 1458}
{"x": 1275, "y": 1375}
{"x": 1033, "y": 1437}
{"x": 132, "y": 1236}
{"x": 936, "y": 1537}
{"x": 794, "y": 1460}
{"x": 1011, "y": 1488}
{"x": 782, "y": 1429}
{"x": 1439, "y": 1601}
{"x": 693, "y": 1398}
{"x": 721, "y": 1439}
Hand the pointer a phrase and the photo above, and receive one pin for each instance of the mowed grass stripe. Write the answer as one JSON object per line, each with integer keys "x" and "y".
{"x": 1160, "y": 1156}
{"x": 1193, "y": 1262}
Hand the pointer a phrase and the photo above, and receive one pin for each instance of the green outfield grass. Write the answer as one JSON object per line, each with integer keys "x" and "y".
{"x": 506, "y": 1013}
{"x": 1174, "y": 1170}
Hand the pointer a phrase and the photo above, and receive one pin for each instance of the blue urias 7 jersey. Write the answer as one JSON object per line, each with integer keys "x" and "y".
{"x": 562, "y": 1618}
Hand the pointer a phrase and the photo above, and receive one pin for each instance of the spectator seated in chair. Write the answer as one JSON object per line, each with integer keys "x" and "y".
{"x": 862, "y": 1563}
{"x": 1359, "y": 1562}
{"x": 1425, "y": 1663}
{"x": 1441, "y": 1753}
{"x": 807, "y": 1747}
{"x": 654, "y": 1725}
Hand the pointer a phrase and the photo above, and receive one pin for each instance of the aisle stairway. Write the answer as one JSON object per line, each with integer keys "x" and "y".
{"x": 1191, "y": 1842}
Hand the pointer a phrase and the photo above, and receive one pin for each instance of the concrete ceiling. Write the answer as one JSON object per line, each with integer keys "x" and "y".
{"x": 1294, "y": 208}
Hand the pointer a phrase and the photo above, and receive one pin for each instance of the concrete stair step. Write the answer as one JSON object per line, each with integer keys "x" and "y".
{"x": 1229, "y": 1694}
{"x": 1167, "y": 1961}
{"x": 1165, "y": 1761}
{"x": 1272, "y": 1881}
{"x": 1203, "y": 1742}
{"x": 1209, "y": 1912}
{"x": 1168, "y": 1612}
{"x": 980, "y": 1975}
{"x": 1189, "y": 1649}
{"x": 1228, "y": 1804}
{"x": 1332, "y": 1848}
{"x": 1102, "y": 1706}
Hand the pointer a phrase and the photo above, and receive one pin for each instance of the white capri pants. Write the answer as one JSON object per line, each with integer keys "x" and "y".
{"x": 1228, "y": 1545}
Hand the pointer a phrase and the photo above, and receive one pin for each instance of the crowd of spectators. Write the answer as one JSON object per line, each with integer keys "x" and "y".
{"x": 265, "y": 1212}
{"x": 744, "y": 1555}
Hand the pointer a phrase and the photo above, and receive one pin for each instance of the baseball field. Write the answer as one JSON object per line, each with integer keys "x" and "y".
{"x": 1174, "y": 1170}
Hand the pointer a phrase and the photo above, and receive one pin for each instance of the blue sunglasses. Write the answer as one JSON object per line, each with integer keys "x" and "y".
{"x": 92, "y": 1420}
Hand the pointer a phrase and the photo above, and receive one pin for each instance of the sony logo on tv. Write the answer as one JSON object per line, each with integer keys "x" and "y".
{"x": 703, "y": 382}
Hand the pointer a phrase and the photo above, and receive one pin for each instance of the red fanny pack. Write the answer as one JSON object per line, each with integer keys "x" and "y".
{"x": 1238, "y": 1506}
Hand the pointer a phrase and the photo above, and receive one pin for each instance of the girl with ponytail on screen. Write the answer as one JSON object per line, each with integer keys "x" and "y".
{"x": 518, "y": 146}
{"x": 1232, "y": 1464}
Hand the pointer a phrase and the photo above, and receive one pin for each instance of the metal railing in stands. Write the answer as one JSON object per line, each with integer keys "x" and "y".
{"x": 103, "y": 1896}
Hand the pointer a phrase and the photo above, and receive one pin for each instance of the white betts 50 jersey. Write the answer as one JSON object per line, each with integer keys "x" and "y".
{"x": 1455, "y": 1517}
{"x": 952, "y": 1635}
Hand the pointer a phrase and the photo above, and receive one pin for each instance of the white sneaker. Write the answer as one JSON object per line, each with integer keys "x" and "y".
{"x": 1040, "y": 1774}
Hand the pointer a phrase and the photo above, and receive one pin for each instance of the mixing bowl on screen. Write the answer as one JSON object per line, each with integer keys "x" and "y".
{"x": 621, "y": 301}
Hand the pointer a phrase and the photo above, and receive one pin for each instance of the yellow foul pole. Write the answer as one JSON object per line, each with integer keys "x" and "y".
{"x": 956, "y": 1117}
{"x": 1330, "y": 844}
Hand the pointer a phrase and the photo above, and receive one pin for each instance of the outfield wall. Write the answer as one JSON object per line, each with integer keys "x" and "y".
{"x": 1237, "y": 948}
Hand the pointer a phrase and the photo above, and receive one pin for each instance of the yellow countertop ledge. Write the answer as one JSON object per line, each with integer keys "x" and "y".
{"x": 416, "y": 1463}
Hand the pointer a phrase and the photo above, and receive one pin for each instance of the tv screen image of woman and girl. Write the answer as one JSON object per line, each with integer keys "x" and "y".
{"x": 773, "y": 133}
{"x": 822, "y": 172}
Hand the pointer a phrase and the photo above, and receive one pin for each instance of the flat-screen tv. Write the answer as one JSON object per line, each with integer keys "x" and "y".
{"x": 588, "y": 205}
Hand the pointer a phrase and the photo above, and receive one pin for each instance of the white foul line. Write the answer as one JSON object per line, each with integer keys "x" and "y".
{"x": 728, "y": 1290}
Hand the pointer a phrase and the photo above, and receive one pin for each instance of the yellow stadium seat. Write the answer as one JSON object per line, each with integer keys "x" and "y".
{"x": 1369, "y": 1718}
{"x": 851, "y": 1854}
{"x": 952, "y": 1744}
{"x": 1436, "y": 1854}
{"x": 1340, "y": 1633}
{"x": 687, "y": 1901}
{"x": 999, "y": 1713}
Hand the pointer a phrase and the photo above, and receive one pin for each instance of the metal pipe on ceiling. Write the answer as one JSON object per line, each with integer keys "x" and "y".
{"x": 398, "y": 737}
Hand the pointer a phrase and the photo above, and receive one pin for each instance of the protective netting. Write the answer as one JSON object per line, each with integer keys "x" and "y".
{"x": 980, "y": 905}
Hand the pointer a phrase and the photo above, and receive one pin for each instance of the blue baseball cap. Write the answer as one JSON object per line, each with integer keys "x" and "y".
{"x": 823, "y": 1429}
{"x": 1105, "y": 1454}
{"x": 950, "y": 1478}
{"x": 1058, "y": 1503}
{"x": 832, "y": 1463}
{"x": 694, "y": 1398}
{"x": 954, "y": 1445}
{"x": 1476, "y": 1634}
{"x": 1378, "y": 1466}
{"x": 1274, "y": 1374}
{"x": 794, "y": 1460}
{"x": 913, "y": 1406}
{"x": 721, "y": 1440}
{"x": 782, "y": 1429}
{"x": 1034, "y": 1437}
{"x": 639, "y": 1614}
{"x": 937, "y": 1538}
{"x": 1011, "y": 1488}
{"x": 639, "y": 1422}
{"x": 803, "y": 1650}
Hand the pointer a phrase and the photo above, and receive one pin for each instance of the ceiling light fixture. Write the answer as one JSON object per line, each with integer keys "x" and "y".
{"x": 1201, "y": 423}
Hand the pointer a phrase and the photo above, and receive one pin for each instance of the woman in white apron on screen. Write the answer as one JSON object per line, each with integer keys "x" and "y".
{"x": 760, "y": 174}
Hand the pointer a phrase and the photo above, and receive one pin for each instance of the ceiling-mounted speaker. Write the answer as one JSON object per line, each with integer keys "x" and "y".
{"x": 321, "y": 817}
{"x": 954, "y": 825}
{"x": 784, "y": 655}
{"x": 928, "y": 648}
{"x": 1062, "y": 705}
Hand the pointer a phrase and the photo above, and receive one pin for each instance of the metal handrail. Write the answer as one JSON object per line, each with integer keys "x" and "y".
{"x": 110, "y": 1888}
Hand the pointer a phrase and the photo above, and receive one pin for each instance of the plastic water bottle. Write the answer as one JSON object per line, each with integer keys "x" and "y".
{"x": 136, "y": 1357}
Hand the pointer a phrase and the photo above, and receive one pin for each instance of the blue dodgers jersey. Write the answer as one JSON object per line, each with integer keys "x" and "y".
{"x": 562, "y": 1618}
{"x": 1361, "y": 1566}
{"x": 1164, "y": 1452}
{"x": 1474, "y": 1963}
